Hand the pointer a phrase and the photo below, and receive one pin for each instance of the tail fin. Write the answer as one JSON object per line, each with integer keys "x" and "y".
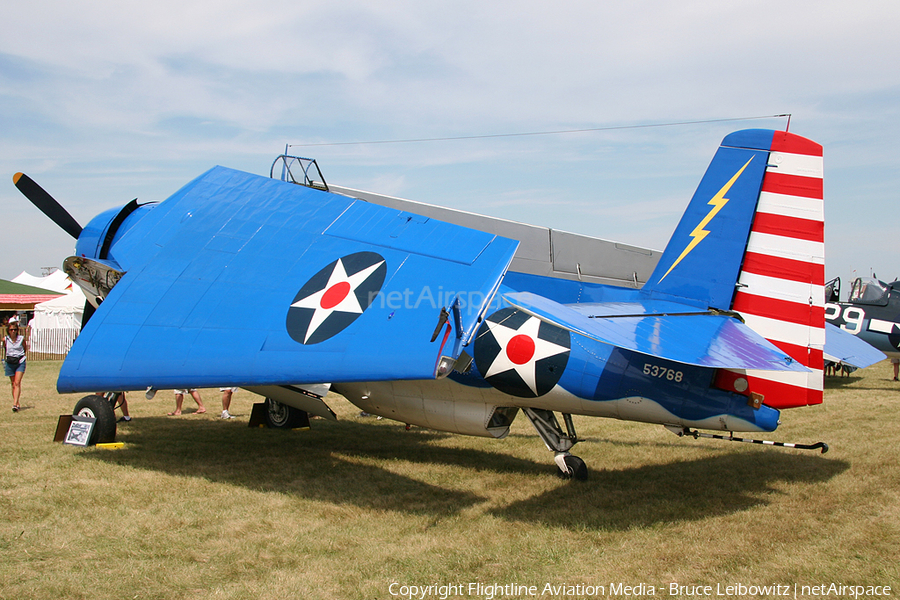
{"x": 752, "y": 240}
{"x": 703, "y": 258}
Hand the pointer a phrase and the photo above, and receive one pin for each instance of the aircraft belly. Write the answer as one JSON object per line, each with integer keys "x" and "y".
{"x": 435, "y": 404}
{"x": 641, "y": 409}
{"x": 446, "y": 405}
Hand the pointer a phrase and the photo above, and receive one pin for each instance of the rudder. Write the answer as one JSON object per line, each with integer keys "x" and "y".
{"x": 781, "y": 289}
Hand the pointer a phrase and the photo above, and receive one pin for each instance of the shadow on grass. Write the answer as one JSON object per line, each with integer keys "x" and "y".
{"x": 343, "y": 463}
{"x": 881, "y": 384}
{"x": 837, "y": 383}
{"x": 672, "y": 492}
{"x": 351, "y": 463}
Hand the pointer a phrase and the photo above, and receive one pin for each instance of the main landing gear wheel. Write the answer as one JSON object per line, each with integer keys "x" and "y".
{"x": 571, "y": 467}
{"x": 282, "y": 416}
{"x": 558, "y": 441}
{"x": 101, "y": 409}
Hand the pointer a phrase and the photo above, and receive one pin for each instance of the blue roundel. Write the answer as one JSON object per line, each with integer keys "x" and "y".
{"x": 335, "y": 297}
{"x": 521, "y": 355}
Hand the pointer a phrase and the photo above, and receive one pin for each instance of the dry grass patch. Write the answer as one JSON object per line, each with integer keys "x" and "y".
{"x": 197, "y": 507}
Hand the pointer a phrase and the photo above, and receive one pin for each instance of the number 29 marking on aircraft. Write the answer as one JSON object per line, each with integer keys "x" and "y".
{"x": 663, "y": 372}
{"x": 853, "y": 317}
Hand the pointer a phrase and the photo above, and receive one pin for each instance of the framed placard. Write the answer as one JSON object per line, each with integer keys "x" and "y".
{"x": 80, "y": 429}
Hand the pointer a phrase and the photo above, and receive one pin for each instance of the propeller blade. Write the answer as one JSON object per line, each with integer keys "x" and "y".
{"x": 88, "y": 312}
{"x": 47, "y": 204}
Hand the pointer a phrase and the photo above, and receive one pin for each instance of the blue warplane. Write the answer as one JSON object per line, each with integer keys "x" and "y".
{"x": 457, "y": 322}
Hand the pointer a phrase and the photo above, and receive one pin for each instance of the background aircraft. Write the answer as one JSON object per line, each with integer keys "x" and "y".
{"x": 458, "y": 324}
{"x": 871, "y": 312}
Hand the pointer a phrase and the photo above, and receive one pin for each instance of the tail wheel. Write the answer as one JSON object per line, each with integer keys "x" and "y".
{"x": 99, "y": 408}
{"x": 282, "y": 416}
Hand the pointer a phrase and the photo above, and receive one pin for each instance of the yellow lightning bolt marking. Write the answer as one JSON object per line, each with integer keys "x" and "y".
{"x": 717, "y": 202}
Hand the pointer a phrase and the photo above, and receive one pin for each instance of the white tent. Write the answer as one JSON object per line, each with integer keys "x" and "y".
{"x": 57, "y": 281}
{"x": 57, "y": 323}
{"x": 63, "y": 312}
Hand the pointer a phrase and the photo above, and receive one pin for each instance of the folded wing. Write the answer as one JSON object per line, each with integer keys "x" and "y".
{"x": 243, "y": 280}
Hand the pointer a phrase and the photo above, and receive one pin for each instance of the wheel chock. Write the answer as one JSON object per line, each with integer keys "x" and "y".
{"x": 111, "y": 445}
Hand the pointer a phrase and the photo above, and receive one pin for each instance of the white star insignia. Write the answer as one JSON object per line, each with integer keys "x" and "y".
{"x": 520, "y": 349}
{"x": 338, "y": 295}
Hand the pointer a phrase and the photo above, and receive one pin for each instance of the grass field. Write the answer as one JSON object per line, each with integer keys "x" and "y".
{"x": 197, "y": 507}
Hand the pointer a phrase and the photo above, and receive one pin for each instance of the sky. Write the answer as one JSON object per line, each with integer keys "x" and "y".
{"x": 105, "y": 101}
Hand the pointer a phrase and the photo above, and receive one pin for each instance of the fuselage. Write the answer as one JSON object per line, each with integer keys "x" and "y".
{"x": 521, "y": 362}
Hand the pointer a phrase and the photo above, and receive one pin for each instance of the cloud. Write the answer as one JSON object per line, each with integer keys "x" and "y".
{"x": 108, "y": 100}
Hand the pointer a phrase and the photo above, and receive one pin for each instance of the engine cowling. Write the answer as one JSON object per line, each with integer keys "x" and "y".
{"x": 97, "y": 239}
{"x": 95, "y": 266}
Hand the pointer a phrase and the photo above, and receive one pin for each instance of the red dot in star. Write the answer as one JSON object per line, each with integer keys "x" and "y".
{"x": 335, "y": 295}
{"x": 520, "y": 349}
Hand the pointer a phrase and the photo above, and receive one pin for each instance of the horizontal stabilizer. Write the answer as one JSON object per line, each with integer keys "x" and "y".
{"x": 844, "y": 347}
{"x": 694, "y": 338}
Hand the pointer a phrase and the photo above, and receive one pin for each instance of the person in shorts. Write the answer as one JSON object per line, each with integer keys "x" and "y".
{"x": 226, "y": 401}
{"x": 179, "y": 400}
{"x": 14, "y": 365}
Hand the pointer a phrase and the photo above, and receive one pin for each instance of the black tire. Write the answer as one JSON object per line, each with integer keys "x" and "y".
{"x": 99, "y": 408}
{"x": 575, "y": 469}
{"x": 282, "y": 416}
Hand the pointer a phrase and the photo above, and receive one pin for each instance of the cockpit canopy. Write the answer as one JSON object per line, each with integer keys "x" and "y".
{"x": 868, "y": 290}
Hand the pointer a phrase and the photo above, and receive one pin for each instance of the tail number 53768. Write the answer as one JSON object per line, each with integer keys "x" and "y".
{"x": 662, "y": 372}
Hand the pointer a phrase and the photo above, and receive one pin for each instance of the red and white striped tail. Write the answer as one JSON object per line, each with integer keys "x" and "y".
{"x": 781, "y": 291}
